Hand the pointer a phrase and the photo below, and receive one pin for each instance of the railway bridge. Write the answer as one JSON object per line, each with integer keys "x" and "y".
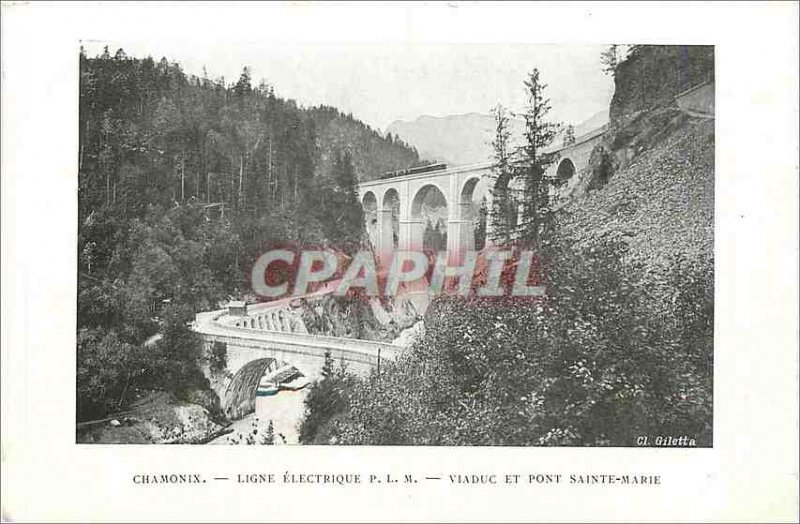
{"x": 396, "y": 208}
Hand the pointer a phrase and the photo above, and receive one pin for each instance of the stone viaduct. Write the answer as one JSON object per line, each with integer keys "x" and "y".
{"x": 395, "y": 207}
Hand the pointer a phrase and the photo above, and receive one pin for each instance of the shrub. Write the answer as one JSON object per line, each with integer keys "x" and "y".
{"x": 218, "y": 360}
{"x": 108, "y": 370}
{"x": 326, "y": 399}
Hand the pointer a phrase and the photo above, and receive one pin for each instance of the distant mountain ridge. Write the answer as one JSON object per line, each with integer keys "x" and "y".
{"x": 466, "y": 139}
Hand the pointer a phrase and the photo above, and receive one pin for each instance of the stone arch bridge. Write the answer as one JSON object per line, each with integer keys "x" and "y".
{"x": 395, "y": 207}
{"x": 276, "y": 330}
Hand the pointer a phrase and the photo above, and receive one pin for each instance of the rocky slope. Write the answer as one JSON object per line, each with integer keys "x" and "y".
{"x": 658, "y": 193}
{"x": 653, "y": 75}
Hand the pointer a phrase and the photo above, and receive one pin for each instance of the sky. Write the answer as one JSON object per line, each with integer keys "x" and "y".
{"x": 381, "y": 83}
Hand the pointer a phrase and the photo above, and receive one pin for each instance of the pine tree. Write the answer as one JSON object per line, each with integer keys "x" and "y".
{"x": 345, "y": 175}
{"x": 569, "y": 136}
{"x": 610, "y": 59}
{"x": 503, "y": 212}
{"x": 480, "y": 226}
{"x": 341, "y": 212}
{"x": 243, "y": 86}
{"x": 327, "y": 367}
{"x": 352, "y": 212}
{"x": 539, "y": 134}
{"x": 614, "y": 55}
{"x": 269, "y": 438}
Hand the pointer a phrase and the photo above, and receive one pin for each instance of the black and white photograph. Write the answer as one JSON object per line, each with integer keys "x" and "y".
{"x": 254, "y": 269}
{"x": 439, "y": 248}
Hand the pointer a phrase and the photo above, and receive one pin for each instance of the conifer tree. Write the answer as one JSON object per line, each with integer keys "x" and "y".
{"x": 569, "y": 136}
{"x": 503, "y": 212}
{"x": 533, "y": 162}
{"x": 341, "y": 212}
{"x": 269, "y": 438}
{"x": 610, "y": 59}
{"x": 327, "y": 366}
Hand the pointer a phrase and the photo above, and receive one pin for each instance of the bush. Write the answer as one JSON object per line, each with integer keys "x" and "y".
{"x": 218, "y": 360}
{"x": 602, "y": 166}
{"x": 108, "y": 370}
{"x": 326, "y": 399}
{"x": 178, "y": 353}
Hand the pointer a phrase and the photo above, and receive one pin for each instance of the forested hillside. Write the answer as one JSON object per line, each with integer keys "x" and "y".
{"x": 182, "y": 182}
{"x": 150, "y": 130}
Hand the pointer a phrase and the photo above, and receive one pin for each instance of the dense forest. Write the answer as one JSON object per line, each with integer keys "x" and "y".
{"x": 183, "y": 181}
